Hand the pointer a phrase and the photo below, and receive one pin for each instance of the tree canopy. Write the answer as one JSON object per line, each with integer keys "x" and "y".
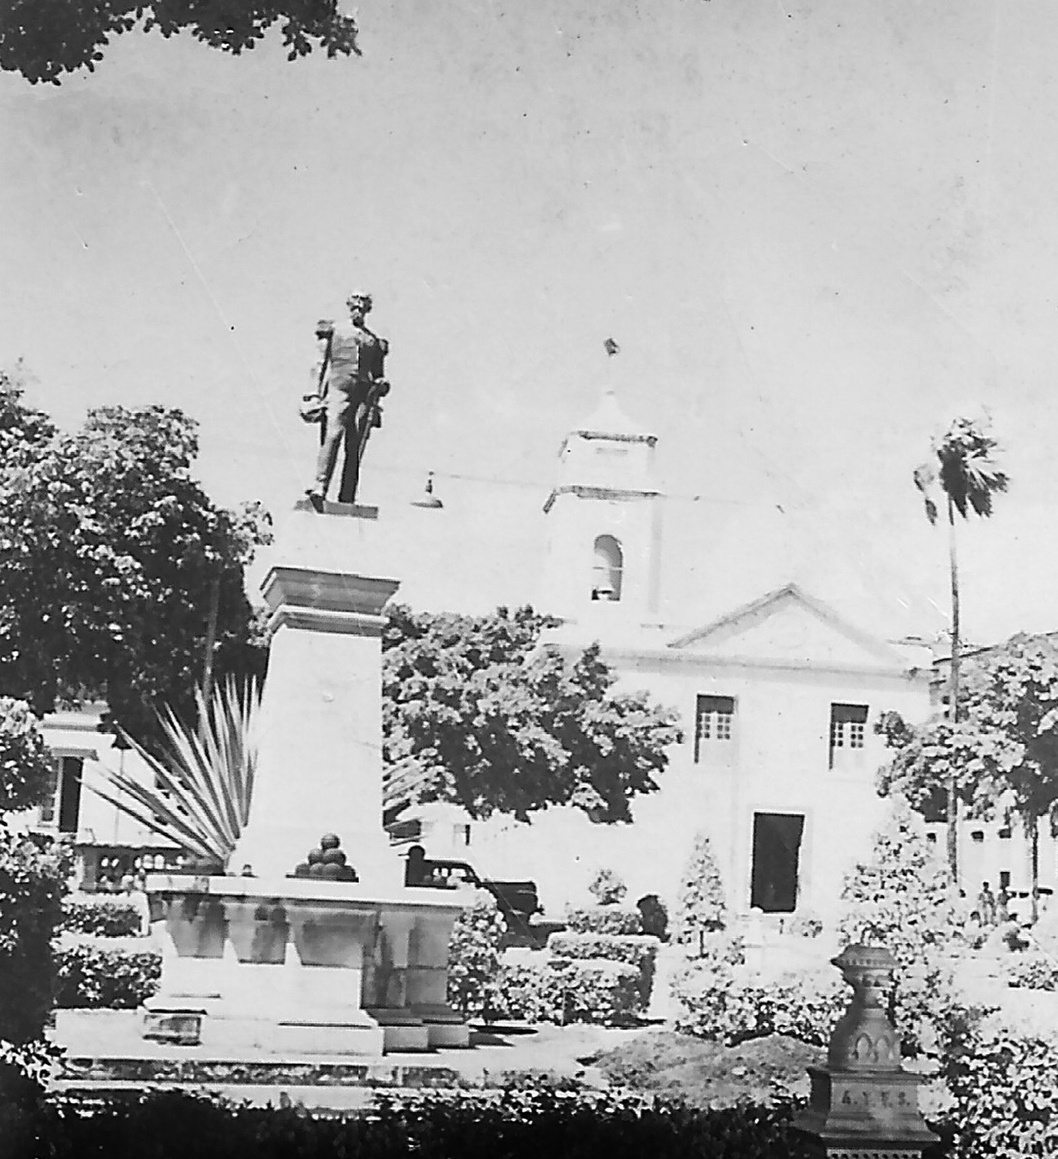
{"x": 1002, "y": 753}
{"x": 43, "y": 39}
{"x": 476, "y": 714}
{"x": 111, "y": 559}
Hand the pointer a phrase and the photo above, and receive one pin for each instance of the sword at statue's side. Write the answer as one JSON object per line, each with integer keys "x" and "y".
{"x": 372, "y": 414}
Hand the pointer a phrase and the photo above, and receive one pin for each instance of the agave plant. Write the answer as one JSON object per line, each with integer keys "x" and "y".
{"x": 204, "y": 776}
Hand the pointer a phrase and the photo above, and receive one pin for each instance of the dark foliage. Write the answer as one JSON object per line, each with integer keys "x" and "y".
{"x": 110, "y": 557}
{"x": 475, "y": 713}
{"x": 514, "y": 1124}
{"x": 42, "y": 39}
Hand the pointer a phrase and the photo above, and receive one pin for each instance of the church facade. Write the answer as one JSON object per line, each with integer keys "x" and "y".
{"x": 777, "y": 696}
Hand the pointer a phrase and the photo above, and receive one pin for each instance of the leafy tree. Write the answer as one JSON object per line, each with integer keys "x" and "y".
{"x": 42, "y": 39}
{"x": 474, "y": 713}
{"x": 700, "y": 905}
{"x": 1003, "y": 754}
{"x": 111, "y": 560}
{"x": 963, "y": 466}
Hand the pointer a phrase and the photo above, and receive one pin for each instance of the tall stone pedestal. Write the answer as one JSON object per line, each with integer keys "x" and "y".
{"x": 863, "y": 1105}
{"x": 302, "y": 965}
{"x": 320, "y": 763}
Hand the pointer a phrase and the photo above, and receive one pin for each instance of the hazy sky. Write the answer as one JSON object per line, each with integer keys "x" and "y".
{"x": 815, "y": 229}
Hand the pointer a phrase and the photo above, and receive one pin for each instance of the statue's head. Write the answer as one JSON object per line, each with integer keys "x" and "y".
{"x": 359, "y": 303}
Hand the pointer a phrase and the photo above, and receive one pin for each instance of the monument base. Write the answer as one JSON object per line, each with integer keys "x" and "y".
{"x": 864, "y": 1115}
{"x": 300, "y": 967}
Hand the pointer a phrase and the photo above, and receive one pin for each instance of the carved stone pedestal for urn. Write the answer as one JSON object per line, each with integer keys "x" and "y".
{"x": 863, "y": 1105}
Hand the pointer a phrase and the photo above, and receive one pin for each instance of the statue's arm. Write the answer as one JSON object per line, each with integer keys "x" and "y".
{"x": 323, "y": 344}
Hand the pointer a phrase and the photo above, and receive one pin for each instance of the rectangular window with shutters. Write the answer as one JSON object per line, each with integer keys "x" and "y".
{"x": 848, "y": 734}
{"x": 714, "y": 725}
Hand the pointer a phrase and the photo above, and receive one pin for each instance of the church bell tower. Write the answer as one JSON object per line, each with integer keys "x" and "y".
{"x": 604, "y": 522}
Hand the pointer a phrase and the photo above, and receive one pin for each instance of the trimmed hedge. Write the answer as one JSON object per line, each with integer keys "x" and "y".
{"x": 101, "y": 977}
{"x": 102, "y": 916}
{"x": 566, "y": 990}
{"x": 527, "y": 991}
{"x": 722, "y": 1005}
{"x": 639, "y": 951}
{"x": 515, "y": 1124}
{"x": 604, "y": 919}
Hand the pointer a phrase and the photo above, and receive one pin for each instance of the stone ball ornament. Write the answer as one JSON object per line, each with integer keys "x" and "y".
{"x": 326, "y": 861}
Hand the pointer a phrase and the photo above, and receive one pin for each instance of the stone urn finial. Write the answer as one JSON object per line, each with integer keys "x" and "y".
{"x": 864, "y": 1039}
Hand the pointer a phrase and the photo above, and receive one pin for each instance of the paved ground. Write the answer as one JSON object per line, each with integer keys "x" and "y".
{"x": 106, "y": 1052}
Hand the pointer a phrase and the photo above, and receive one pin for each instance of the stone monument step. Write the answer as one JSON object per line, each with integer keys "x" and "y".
{"x": 244, "y": 1072}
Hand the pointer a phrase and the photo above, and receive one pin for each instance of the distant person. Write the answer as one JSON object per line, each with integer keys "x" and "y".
{"x": 416, "y": 871}
{"x": 1002, "y": 906}
{"x": 986, "y": 905}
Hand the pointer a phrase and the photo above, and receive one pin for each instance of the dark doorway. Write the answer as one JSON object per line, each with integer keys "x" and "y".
{"x": 776, "y": 855}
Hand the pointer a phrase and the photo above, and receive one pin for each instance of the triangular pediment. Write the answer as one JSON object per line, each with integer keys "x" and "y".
{"x": 790, "y": 627}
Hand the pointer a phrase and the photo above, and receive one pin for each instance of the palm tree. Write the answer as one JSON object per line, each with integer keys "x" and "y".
{"x": 963, "y": 464}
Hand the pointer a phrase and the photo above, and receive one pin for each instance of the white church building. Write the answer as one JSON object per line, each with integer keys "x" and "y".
{"x": 777, "y": 698}
{"x": 779, "y": 657}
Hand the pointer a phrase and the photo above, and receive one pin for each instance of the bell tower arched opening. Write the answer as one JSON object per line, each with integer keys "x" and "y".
{"x": 607, "y": 569}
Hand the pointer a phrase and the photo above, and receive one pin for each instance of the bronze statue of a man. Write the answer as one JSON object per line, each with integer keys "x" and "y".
{"x": 351, "y": 382}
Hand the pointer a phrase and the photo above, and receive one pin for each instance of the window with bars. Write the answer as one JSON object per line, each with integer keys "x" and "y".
{"x": 848, "y": 733}
{"x": 714, "y": 723}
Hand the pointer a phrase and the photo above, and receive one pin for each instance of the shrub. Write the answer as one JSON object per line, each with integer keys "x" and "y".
{"x": 102, "y": 916}
{"x": 566, "y": 990}
{"x": 1034, "y": 972}
{"x": 600, "y": 992}
{"x": 528, "y": 991}
{"x": 604, "y": 919}
{"x": 473, "y": 954}
{"x": 654, "y": 916}
{"x": 804, "y": 925}
{"x": 700, "y": 905}
{"x": 607, "y": 888}
{"x": 723, "y": 949}
{"x": 636, "y": 950}
{"x": 1005, "y": 1094}
{"x": 26, "y": 771}
{"x": 33, "y": 882}
{"x": 730, "y": 1007}
{"x": 98, "y": 976}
